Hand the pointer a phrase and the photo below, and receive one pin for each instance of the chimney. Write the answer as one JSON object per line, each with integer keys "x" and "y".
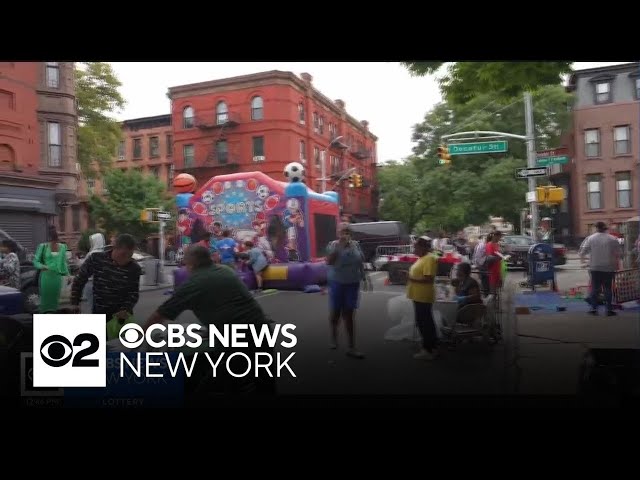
{"x": 306, "y": 78}
{"x": 365, "y": 124}
{"x": 340, "y": 104}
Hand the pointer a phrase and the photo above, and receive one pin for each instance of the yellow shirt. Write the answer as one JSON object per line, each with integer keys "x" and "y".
{"x": 422, "y": 292}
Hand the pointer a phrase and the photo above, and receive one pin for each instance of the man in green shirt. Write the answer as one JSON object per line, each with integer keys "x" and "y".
{"x": 217, "y": 296}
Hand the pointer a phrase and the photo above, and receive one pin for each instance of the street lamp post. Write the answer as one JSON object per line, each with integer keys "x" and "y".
{"x": 323, "y": 164}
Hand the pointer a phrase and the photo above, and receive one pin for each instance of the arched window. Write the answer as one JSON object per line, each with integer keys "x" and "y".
{"x": 222, "y": 113}
{"x": 188, "y": 117}
{"x": 257, "y": 108}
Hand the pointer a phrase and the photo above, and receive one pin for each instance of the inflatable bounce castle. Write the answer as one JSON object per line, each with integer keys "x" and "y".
{"x": 290, "y": 222}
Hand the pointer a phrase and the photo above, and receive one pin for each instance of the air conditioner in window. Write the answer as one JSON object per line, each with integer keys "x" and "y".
{"x": 120, "y": 157}
{"x": 259, "y": 158}
{"x": 77, "y": 167}
{"x": 302, "y": 122}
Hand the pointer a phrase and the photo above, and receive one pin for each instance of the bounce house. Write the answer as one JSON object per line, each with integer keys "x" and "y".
{"x": 290, "y": 222}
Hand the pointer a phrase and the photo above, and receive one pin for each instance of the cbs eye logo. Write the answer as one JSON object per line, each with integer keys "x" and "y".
{"x": 69, "y": 350}
{"x": 131, "y": 335}
{"x": 57, "y": 351}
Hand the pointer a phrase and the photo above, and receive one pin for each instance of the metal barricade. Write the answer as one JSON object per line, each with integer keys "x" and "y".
{"x": 626, "y": 285}
{"x": 389, "y": 250}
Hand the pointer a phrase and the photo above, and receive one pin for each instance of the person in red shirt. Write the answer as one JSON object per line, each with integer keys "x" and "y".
{"x": 494, "y": 257}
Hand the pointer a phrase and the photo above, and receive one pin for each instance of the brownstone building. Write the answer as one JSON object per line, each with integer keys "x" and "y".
{"x": 38, "y": 170}
{"x": 605, "y": 147}
{"x": 147, "y": 146}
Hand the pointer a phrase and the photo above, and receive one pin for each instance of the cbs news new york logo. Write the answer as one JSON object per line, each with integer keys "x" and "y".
{"x": 69, "y": 350}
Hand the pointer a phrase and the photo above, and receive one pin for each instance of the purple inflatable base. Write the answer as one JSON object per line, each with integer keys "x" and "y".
{"x": 299, "y": 275}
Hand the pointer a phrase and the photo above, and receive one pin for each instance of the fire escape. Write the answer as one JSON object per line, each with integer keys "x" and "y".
{"x": 218, "y": 158}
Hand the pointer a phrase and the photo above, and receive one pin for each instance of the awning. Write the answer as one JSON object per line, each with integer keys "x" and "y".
{"x": 633, "y": 219}
{"x": 24, "y": 204}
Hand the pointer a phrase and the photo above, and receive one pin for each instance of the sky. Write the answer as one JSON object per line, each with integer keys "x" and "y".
{"x": 384, "y": 93}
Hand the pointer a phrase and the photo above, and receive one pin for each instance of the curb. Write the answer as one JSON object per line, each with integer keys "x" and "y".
{"x": 150, "y": 288}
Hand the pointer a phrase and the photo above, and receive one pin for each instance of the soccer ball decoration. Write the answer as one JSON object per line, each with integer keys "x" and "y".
{"x": 262, "y": 192}
{"x": 294, "y": 172}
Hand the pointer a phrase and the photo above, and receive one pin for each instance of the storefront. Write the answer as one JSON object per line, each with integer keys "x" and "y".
{"x": 25, "y": 214}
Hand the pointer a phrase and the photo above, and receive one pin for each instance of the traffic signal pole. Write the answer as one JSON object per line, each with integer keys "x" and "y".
{"x": 530, "y": 138}
{"x": 531, "y": 161}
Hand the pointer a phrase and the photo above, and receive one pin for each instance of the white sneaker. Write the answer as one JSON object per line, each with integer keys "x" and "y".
{"x": 424, "y": 355}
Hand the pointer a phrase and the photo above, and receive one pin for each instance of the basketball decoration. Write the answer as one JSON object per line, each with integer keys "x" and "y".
{"x": 217, "y": 188}
{"x": 184, "y": 183}
{"x": 271, "y": 202}
{"x": 252, "y": 184}
{"x": 199, "y": 208}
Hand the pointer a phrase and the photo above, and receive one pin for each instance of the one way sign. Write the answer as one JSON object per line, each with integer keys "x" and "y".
{"x": 532, "y": 172}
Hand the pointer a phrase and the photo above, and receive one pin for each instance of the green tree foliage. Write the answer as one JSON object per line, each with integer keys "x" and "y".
{"x": 466, "y": 80}
{"x": 98, "y": 133}
{"x": 129, "y": 193}
{"x": 424, "y": 194}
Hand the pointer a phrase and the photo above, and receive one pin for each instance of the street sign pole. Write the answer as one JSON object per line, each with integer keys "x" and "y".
{"x": 531, "y": 160}
{"x": 161, "y": 269}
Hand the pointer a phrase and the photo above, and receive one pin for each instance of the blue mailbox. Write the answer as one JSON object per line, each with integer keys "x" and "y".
{"x": 541, "y": 265}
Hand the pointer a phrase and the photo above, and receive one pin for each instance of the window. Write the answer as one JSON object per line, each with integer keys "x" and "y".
{"x": 169, "y": 145}
{"x": 316, "y": 157}
{"x": 315, "y": 122}
{"x": 62, "y": 218}
{"x": 258, "y": 147}
{"x": 155, "y": 171}
{"x": 592, "y": 142}
{"x": 335, "y": 165}
{"x": 257, "y": 108}
{"x": 623, "y": 189}
{"x": 637, "y": 88}
{"x": 303, "y": 152}
{"x": 170, "y": 175}
{"x": 53, "y": 75}
{"x": 222, "y": 113}
{"x": 321, "y": 125}
{"x": 91, "y": 185}
{"x": 301, "y": 113}
{"x": 55, "y": 145}
{"x": 137, "y": 148}
{"x": 332, "y": 130}
{"x": 594, "y": 192}
{"x": 121, "y": 150}
{"x": 603, "y": 92}
{"x": 154, "y": 147}
{"x": 621, "y": 140}
{"x": 75, "y": 217}
{"x": 187, "y": 153}
{"x": 222, "y": 152}
{"x": 188, "y": 118}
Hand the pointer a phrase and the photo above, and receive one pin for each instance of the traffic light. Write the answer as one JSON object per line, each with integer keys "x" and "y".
{"x": 550, "y": 194}
{"x": 351, "y": 180}
{"x": 443, "y": 155}
{"x": 357, "y": 180}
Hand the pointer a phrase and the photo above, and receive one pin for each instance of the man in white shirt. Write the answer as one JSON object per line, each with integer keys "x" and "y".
{"x": 604, "y": 254}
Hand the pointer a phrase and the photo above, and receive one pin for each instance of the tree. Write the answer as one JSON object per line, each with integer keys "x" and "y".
{"x": 400, "y": 193}
{"x": 472, "y": 187}
{"x": 98, "y": 133}
{"x": 129, "y": 193}
{"x": 466, "y": 80}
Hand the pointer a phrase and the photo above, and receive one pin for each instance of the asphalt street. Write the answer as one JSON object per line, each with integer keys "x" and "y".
{"x": 388, "y": 367}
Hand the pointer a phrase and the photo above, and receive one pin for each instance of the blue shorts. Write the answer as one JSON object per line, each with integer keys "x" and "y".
{"x": 343, "y": 296}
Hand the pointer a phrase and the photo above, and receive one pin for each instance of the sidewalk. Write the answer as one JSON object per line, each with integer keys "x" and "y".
{"x": 550, "y": 348}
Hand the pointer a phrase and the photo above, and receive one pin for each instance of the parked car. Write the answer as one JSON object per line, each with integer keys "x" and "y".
{"x": 11, "y": 301}
{"x": 517, "y": 247}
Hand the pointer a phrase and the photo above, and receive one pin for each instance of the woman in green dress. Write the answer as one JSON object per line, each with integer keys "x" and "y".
{"x": 51, "y": 260}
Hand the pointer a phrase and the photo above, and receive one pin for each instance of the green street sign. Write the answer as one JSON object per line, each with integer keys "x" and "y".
{"x": 555, "y": 160}
{"x": 479, "y": 147}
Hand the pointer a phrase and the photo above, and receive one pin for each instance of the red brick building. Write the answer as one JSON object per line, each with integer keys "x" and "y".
{"x": 38, "y": 170}
{"x": 605, "y": 147}
{"x": 266, "y": 120}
